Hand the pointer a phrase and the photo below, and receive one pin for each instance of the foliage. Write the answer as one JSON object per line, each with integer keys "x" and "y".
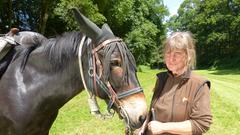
{"x": 215, "y": 24}
{"x": 26, "y": 15}
{"x": 139, "y": 22}
{"x": 142, "y": 39}
{"x": 11, "y": 8}
{"x": 87, "y": 7}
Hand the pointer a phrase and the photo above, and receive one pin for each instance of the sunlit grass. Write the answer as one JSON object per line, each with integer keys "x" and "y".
{"x": 74, "y": 118}
{"x": 225, "y": 101}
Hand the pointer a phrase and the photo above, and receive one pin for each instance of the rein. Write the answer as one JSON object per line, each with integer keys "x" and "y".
{"x": 95, "y": 72}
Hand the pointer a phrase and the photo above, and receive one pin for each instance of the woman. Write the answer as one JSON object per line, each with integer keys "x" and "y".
{"x": 181, "y": 100}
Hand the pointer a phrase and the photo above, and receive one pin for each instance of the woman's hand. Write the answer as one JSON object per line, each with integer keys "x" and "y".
{"x": 181, "y": 128}
{"x": 156, "y": 127}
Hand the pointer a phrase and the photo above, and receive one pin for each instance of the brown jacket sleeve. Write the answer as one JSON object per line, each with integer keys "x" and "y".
{"x": 200, "y": 116}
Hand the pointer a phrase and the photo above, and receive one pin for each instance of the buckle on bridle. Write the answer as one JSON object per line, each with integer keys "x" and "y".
{"x": 90, "y": 71}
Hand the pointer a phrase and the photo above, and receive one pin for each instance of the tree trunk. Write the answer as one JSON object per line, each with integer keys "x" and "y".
{"x": 6, "y": 15}
{"x": 43, "y": 17}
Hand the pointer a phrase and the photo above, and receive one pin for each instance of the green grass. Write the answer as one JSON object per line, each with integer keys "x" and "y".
{"x": 225, "y": 101}
{"x": 74, "y": 118}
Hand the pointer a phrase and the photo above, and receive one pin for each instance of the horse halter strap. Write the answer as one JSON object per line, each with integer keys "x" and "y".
{"x": 106, "y": 87}
{"x": 95, "y": 54}
{"x": 106, "y": 42}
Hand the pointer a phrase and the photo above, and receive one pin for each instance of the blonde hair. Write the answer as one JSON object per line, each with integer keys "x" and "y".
{"x": 185, "y": 41}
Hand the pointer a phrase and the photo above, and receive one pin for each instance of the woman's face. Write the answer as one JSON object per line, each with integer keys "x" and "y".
{"x": 176, "y": 61}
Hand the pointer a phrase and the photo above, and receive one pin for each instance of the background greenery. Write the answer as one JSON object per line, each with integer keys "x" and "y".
{"x": 74, "y": 118}
{"x": 142, "y": 24}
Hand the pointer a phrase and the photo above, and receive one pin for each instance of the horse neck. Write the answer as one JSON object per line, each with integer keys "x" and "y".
{"x": 57, "y": 69}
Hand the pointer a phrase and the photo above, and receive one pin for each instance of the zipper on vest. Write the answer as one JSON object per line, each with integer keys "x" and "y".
{"x": 173, "y": 106}
{"x": 173, "y": 101}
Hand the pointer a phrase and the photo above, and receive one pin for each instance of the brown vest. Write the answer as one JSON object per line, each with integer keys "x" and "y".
{"x": 173, "y": 103}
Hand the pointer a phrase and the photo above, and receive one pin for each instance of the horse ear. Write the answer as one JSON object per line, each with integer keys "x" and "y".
{"x": 106, "y": 34}
{"x": 87, "y": 26}
{"x": 106, "y": 27}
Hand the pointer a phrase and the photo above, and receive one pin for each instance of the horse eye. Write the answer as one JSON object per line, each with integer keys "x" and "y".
{"x": 115, "y": 62}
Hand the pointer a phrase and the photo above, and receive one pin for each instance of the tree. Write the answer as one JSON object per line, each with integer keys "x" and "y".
{"x": 46, "y": 9}
{"x": 139, "y": 22}
{"x": 87, "y": 7}
{"x": 6, "y": 15}
{"x": 25, "y": 14}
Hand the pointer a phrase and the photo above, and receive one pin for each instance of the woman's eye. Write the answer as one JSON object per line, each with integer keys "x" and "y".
{"x": 178, "y": 53}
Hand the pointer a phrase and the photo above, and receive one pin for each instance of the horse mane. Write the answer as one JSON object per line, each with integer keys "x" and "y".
{"x": 62, "y": 49}
{"x": 58, "y": 50}
{"x": 127, "y": 60}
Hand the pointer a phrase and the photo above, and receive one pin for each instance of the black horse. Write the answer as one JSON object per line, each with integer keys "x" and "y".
{"x": 35, "y": 86}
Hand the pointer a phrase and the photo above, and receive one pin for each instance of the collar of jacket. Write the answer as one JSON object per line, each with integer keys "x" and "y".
{"x": 183, "y": 78}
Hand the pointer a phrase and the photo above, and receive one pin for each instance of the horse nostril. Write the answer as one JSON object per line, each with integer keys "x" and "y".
{"x": 142, "y": 118}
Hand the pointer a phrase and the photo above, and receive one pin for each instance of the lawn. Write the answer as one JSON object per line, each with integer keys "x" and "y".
{"x": 225, "y": 101}
{"x": 74, "y": 118}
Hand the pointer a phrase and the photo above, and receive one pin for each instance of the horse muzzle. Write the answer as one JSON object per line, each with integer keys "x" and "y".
{"x": 133, "y": 110}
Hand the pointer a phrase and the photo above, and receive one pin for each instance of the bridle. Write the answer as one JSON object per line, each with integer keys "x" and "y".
{"x": 95, "y": 72}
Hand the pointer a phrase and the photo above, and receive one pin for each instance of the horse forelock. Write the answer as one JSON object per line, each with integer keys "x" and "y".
{"x": 127, "y": 60}
{"x": 62, "y": 49}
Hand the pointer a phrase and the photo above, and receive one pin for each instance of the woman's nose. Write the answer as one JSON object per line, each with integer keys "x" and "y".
{"x": 172, "y": 57}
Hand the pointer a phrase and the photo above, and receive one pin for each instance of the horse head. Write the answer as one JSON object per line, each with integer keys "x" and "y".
{"x": 112, "y": 73}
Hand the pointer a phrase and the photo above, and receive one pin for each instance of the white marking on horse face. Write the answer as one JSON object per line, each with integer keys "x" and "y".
{"x": 135, "y": 108}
